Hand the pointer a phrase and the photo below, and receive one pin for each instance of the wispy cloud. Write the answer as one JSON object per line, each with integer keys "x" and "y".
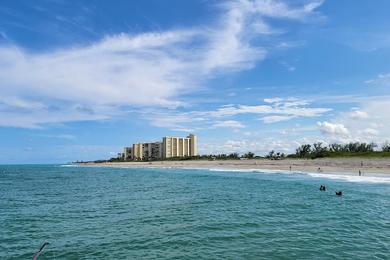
{"x": 58, "y": 136}
{"x": 358, "y": 114}
{"x": 3, "y": 35}
{"x": 275, "y": 110}
{"x": 288, "y": 66}
{"x": 382, "y": 80}
{"x": 99, "y": 81}
{"x": 277, "y": 106}
{"x": 228, "y": 124}
{"x": 274, "y": 119}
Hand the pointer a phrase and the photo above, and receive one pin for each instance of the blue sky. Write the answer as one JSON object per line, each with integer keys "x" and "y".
{"x": 82, "y": 79}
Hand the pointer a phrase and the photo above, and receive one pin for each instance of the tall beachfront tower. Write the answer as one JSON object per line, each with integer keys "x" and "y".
{"x": 147, "y": 151}
{"x": 179, "y": 146}
{"x": 193, "y": 145}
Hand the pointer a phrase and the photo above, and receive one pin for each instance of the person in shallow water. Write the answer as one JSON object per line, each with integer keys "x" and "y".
{"x": 322, "y": 188}
{"x": 339, "y": 193}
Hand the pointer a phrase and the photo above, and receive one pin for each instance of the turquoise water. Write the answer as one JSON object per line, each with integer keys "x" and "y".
{"x": 105, "y": 213}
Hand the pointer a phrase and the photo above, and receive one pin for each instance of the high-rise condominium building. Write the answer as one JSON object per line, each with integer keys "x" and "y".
{"x": 170, "y": 147}
{"x": 179, "y": 146}
{"x": 147, "y": 151}
{"x": 128, "y": 153}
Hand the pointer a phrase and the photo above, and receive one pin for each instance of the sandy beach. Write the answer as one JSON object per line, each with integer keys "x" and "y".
{"x": 343, "y": 165}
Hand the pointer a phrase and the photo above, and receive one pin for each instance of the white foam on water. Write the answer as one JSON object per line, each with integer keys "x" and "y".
{"x": 350, "y": 177}
{"x": 68, "y": 165}
{"x": 251, "y": 170}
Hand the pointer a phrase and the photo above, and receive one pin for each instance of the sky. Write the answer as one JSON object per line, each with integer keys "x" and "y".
{"x": 79, "y": 80}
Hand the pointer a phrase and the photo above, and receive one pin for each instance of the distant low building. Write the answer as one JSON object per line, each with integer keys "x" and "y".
{"x": 170, "y": 147}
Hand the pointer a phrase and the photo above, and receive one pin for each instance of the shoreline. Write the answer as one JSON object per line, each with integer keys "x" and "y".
{"x": 349, "y": 166}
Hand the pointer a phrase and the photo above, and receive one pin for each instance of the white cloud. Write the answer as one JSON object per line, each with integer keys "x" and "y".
{"x": 382, "y": 80}
{"x": 358, "y": 114}
{"x": 3, "y": 35}
{"x": 228, "y": 124}
{"x": 260, "y": 146}
{"x": 288, "y": 66}
{"x": 279, "y": 110}
{"x": 115, "y": 71}
{"x": 370, "y": 132}
{"x": 369, "y": 121}
{"x": 280, "y": 9}
{"x": 18, "y": 103}
{"x": 286, "y": 108}
{"x": 95, "y": 82}
{"x": 58, "y": 136}
{"x": 273, "y": 100}
{"x": 332, "y": 129}
{"x": 172, "y": 119}
{"x": 50, "y": 115}
{"x": 186, "y": 130}
{"x": 274, "y": 119}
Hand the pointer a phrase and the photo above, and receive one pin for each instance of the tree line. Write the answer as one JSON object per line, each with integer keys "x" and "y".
{"x": 319, "y": 150}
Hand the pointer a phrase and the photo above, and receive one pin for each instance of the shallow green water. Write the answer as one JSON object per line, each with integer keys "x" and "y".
{"x": 104, "y": 213}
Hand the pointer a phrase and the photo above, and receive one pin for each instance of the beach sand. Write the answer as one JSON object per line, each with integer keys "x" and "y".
{"x": 339, "y": 165}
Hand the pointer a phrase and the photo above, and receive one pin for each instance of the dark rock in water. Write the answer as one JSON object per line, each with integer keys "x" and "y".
{"x": 339, "y": 193}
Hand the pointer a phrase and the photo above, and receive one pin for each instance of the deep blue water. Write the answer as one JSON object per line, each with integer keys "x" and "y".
{"x": 106, "y": 213}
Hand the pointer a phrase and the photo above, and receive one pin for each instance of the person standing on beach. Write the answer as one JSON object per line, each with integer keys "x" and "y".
{"x": 360, "y": 173}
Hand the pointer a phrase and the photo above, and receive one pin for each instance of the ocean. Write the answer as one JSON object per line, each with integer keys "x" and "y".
{"x": 119, "y": 213}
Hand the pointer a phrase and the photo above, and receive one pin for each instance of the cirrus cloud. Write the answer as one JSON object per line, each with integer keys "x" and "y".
{"x": 228, "y": 124}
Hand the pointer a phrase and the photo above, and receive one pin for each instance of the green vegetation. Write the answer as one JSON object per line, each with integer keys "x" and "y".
{"x": 275, "y": 155}
{"x": 386, "y": 147}
{"x": 210, "y": 157}
{"x": 318, "y": 150}
{"x": 113, "y": 159}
